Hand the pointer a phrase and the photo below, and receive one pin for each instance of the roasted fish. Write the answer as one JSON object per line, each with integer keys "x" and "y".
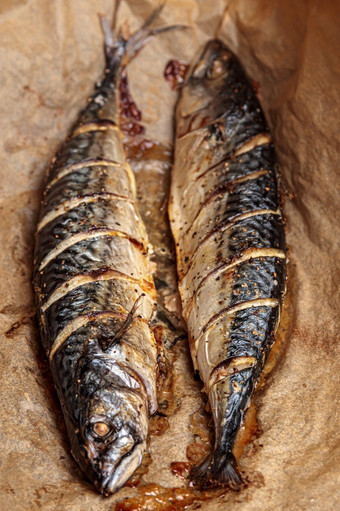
{"x": 227, "y": 222}
{"x": 94, "y": 290}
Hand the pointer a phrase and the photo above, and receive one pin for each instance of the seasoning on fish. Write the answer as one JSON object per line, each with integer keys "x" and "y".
{"x": 226, "y": 218}
{"x": 94, "y": 289}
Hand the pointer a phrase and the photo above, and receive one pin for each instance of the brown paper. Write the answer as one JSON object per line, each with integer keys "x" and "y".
{"x": 51, "y": 55}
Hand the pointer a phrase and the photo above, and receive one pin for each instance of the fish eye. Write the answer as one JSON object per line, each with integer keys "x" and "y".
{"x": 217, "y": 69}
{"x": 101, "y": 430}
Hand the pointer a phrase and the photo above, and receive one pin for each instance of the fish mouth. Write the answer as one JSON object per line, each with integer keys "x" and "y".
{"x": 116, "y": 475}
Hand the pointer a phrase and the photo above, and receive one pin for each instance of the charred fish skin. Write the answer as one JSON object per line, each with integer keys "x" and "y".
{"x": 226, "y": 217}
{"x": 94, "y": 291}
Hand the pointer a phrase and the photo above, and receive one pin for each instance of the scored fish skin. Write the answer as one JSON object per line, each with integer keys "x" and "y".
{"x": 94, "y": 291}
{"x": 226, "y": 218}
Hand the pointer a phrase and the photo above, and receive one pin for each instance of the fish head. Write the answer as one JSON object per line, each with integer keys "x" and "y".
{"x": 112, "y": 435}
{"x": 212, "y": 65}
{"x": 204, "y": 87}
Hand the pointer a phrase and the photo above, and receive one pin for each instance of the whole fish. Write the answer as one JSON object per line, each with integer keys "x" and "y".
{"x": 94, "y": 290}
{"x": 226, "y": 218}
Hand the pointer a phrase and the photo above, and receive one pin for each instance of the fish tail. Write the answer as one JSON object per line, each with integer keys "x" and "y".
{"x": 125, "y": 50}
{"x": 216, "y": 470}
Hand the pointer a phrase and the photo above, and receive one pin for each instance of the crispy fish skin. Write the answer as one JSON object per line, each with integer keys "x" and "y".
{"x": 94, "y": 291}
{"x": 226, "y": 217}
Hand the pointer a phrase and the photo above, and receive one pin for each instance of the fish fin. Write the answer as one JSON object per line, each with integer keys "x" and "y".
{"x": 114, "y": 43}
{"x": 217, "y": 470}
{"x": 126, "y": 325}
{"x": 125, "y": 50}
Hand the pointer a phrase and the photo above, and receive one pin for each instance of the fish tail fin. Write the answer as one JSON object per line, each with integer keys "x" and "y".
{"x": 217, "y": 469}
{"x": 125, "y": 50}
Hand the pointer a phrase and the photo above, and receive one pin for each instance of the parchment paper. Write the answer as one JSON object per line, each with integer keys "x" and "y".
{"x": 50, "y": 56}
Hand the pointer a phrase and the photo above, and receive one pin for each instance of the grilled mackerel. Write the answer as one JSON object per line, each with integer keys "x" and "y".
{"x": 95, "y": 294}
{"x": 227, "y": 221}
